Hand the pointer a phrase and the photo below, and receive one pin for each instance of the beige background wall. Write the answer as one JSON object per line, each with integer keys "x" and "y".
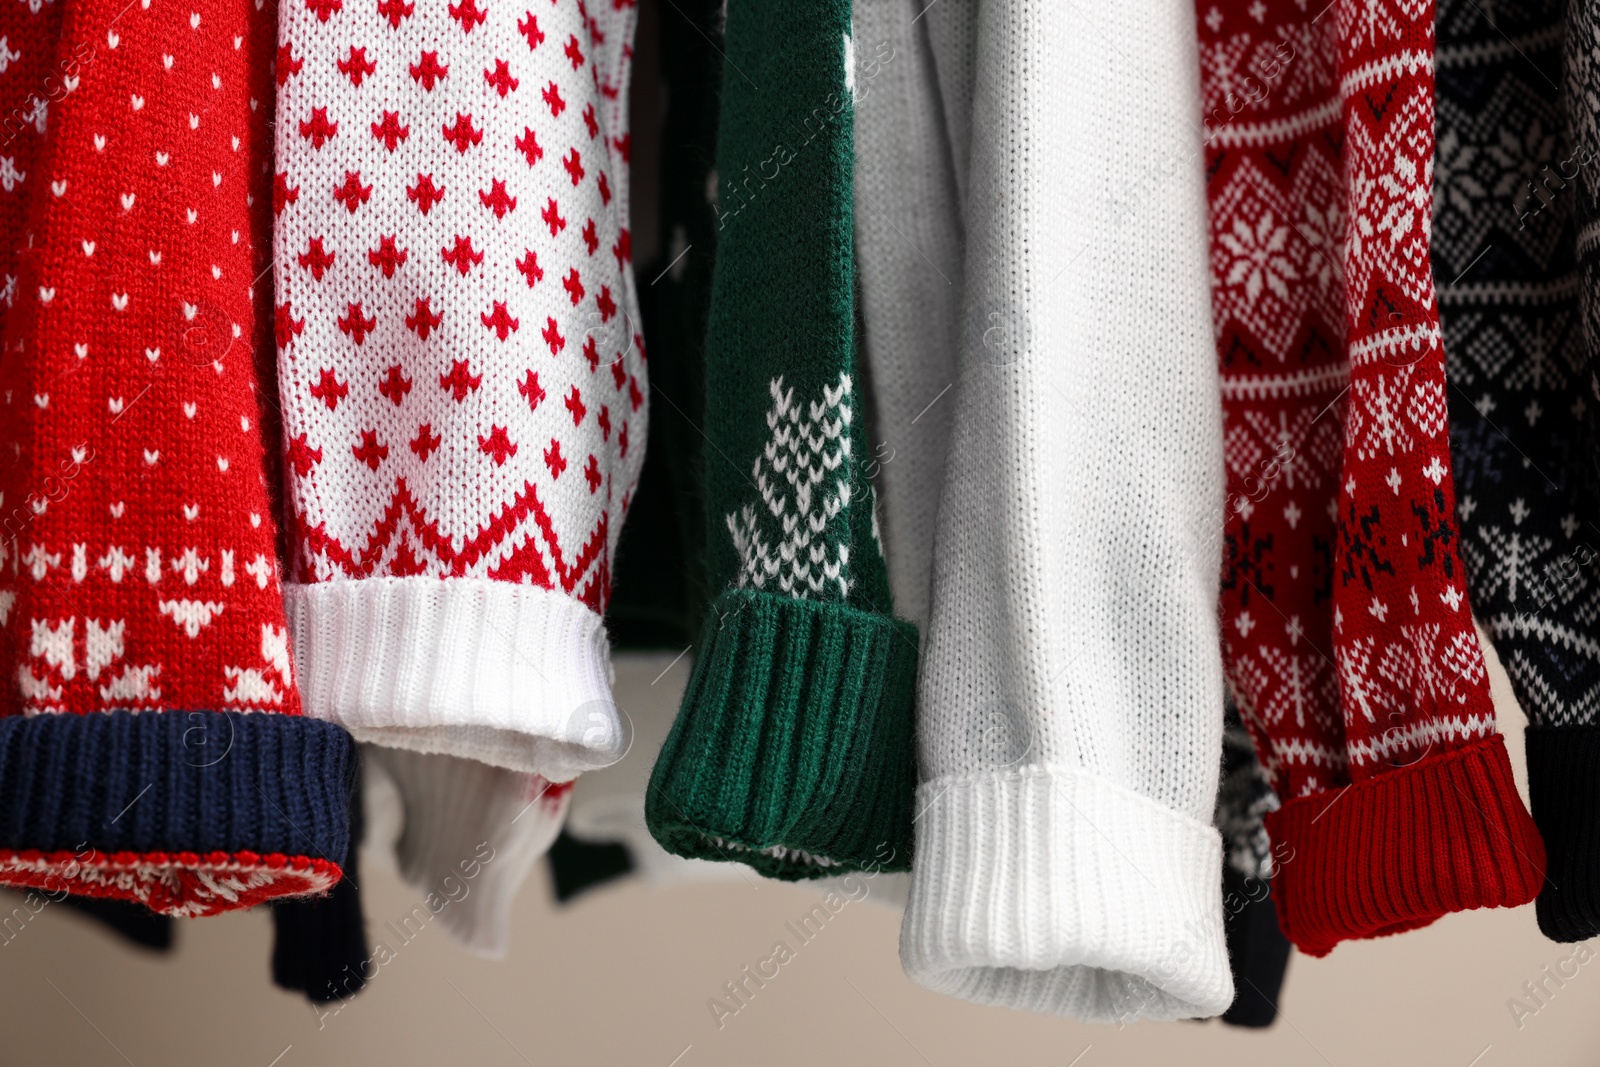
{"x": 623, "y": 977}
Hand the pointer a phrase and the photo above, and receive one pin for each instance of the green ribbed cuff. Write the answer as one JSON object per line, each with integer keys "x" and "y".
{"x": 793, "y": 751}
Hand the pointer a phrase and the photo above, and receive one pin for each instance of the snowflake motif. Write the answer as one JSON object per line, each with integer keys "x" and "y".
{"x": 1375, "y": 426}
{"x": 1391, "y": 181}
{"x": 1259, "y": 257}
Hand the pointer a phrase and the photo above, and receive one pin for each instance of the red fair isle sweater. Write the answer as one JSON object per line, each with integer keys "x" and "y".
{"x": 1348, "y": 637}
{"x": 138, "y": 564}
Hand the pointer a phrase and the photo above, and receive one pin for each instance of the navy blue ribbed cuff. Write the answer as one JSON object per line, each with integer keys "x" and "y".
{"x": 168, "y": 782}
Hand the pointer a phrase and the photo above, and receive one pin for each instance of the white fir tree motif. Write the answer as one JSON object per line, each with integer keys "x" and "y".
{"x": 803, "y": 476}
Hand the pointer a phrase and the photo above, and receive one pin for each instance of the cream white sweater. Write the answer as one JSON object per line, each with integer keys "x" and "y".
{"x": 1069, "y": 714}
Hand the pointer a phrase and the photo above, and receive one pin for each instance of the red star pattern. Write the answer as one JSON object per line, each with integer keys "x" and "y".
{"x": 428, "y": 71}
{"x": 386, "y": 257}
{"x": 500, "y": 78}
{"x": 394, "y": 11}
{"x": 378, "y": 314}
{"x": 389, "y": 131}
{"x": 355, "y": 66}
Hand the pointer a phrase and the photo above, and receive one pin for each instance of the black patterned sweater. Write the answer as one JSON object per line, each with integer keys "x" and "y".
{"x": 1522, "y": 404}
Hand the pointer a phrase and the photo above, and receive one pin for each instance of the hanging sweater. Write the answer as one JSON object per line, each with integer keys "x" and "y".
{"x": 659, "y": 597}
{"x": 462, "y": 376}
{"x": 909, "y": 241}
{"x": 1348, "y": 638}
{"x": 1069, "y": 717}
{"x": 1258, "y": 953}
{"x": 469, "y": 835}
{"x": 1555, "y": 666}
{"x": 151, "y": 742}
{"x": 792, "y": 749}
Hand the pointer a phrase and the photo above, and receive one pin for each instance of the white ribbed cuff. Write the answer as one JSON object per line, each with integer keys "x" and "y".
{"x": 511, "y": 675}
{"x": 1054, "y": 891}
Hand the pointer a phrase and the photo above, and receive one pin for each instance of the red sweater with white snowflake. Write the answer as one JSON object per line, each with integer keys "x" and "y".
{"x": 1348, "y": 638}
{"x": 138, "y": 563}
{"x": 460, "y": 365}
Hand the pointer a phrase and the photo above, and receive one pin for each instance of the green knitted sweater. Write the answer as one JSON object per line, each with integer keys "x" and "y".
{"x": 793, "y": 750}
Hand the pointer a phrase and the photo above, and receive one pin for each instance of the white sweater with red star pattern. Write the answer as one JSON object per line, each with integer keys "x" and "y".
{"x": 461, "y": 371}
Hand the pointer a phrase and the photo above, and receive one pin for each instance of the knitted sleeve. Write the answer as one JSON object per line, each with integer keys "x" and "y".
{"x": 1069, "y": 717}
{"x": 908, "y": 244}
{"x": 792, "y": 748}
{"x": 461, "y": 372}
{"x": 470, "y": 835}
{"x": 1549, "y": 640}
{"x": 1258, "y": 953}
{"x": 151, "y": 743}
{"x": 1348, "y": 637}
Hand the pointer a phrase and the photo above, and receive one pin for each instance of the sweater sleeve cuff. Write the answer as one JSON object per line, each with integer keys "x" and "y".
{"x": 1052, "y": 890}
{"x": 1397, "y": 851}
{"x": 515, "y": 676}
{"x": 793, "y": 749}
{"x": 1564, "y": 787}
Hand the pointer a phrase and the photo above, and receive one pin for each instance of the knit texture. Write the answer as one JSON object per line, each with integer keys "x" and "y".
{"x": 1519, "y": 431}
{"x": 1562, "y": 764}
{"x": 1347, "y": 635}
{"x": 609, "y": 804}
{"x": 470, "y": 835}
{"x": 461, "y": 369}
{"x": 138, "y": 566}
{"x": 1561, "y": 755}
{"x": 660, "y": 596}
{"x": 792, "y": 750}
{"x": 93, "y": 803}
{"x": 909, "y": 242}
{"x": 319, "y": 945}
{"x": 1244, "y": 797}
{"x": 1258, "y": 953}
{"x": 1069, "y": 726}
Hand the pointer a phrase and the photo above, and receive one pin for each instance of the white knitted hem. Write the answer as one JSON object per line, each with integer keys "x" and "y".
{"x": 1051, "y": 890}
{"x": 471, "y": 836}
{"x": 511, "y": 675}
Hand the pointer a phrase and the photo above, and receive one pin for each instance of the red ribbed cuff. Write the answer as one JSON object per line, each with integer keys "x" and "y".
{"x": 1396, "y": 852}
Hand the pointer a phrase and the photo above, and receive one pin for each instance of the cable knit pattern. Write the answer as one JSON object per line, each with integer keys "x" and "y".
{"x": 1069, "y": 727}
{"x": 138, "y": 570}
{"x": 462, "y": 376}
{"x": 1320, "y": 151}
